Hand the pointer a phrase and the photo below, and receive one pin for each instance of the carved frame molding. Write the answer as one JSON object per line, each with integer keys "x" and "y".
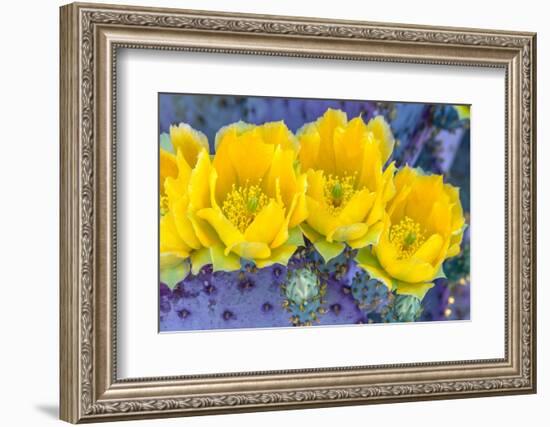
{"x": 90, "y": 37}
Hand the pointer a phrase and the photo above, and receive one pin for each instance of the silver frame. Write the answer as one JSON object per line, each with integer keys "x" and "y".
{"x": 90, "y": 37}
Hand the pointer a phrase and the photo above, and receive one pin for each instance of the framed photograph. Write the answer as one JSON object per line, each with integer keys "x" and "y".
{"x": 266, "y": 212}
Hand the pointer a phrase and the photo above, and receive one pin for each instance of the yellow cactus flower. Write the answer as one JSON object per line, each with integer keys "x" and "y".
{"x": 463, "y": 111}
{"x": 181, "y": 138}
{"x": 275, "y": 133}
{"x": 189, "y": 141}
{"x": 423, "y": 227}
{"x": 257, "y": 196}
{"x": 347, "y": 185}
{"x": 168, "y": 168}
{"x": 185, "y": 240}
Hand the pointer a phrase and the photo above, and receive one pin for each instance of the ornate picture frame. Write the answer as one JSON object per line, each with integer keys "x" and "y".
{"x": 90, "y": 37}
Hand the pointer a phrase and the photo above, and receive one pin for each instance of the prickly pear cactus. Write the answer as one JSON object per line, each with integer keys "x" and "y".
{"x": 304, "y": 296}
{"x": 406, "y": 308}
{"x": 371, "y": 296}
{"x": 307, "y": 289}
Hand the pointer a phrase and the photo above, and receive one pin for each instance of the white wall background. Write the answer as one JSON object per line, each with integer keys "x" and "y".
{"x": 29, "y": 170}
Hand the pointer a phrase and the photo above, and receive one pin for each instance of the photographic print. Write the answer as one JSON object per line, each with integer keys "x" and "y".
{"x": 331, "y": 221}
{"x": 283, "y": 212}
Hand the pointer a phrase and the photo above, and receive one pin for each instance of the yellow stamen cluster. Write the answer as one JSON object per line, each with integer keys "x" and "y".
{"x": 338, "y": 191}
{"x": 242, "y": 204}
{"x": 407, "y": 237}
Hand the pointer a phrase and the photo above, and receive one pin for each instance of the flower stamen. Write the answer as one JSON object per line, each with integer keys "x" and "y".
{"x": 407, "y": 237}
{"x": 338, "y": 191}
{"x": 243, "y": 203}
